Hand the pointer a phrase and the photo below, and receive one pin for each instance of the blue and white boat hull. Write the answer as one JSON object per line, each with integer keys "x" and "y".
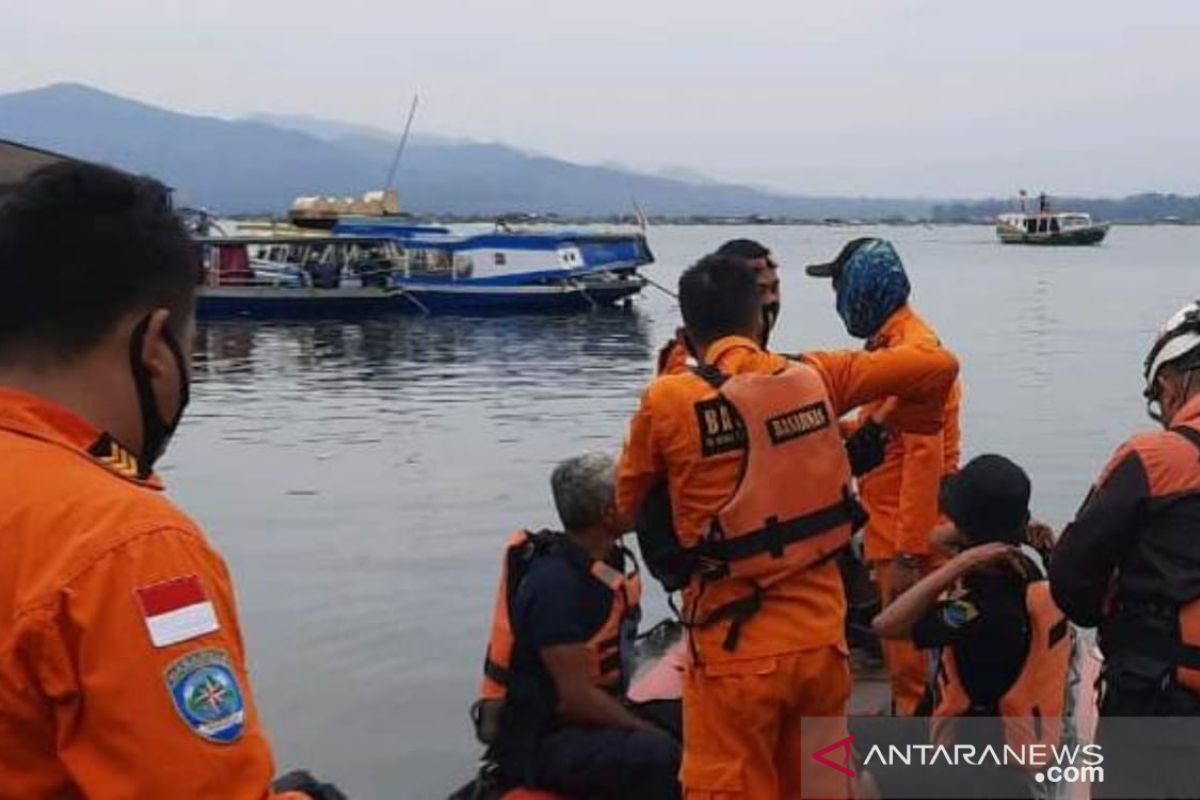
{"x": 414, "y": 297}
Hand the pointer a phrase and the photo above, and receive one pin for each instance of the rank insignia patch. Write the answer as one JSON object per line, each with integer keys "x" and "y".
{"x": 206, "y": 694}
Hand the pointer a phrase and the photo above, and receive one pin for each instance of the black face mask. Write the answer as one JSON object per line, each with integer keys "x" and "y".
{"x": 770, "y": 313}
{"x": 156, "y": 433}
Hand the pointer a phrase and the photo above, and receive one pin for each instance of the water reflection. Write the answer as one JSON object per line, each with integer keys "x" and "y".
{"x": 394, "y": 349}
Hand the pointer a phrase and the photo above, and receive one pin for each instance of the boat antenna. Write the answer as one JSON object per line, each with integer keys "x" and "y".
{"x": 391, "y": 176}
{"x": 1022, "y": 194}
{"x": 639, "y": 216}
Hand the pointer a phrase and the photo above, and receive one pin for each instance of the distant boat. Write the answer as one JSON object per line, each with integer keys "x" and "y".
{"x": 1049, "y": 227}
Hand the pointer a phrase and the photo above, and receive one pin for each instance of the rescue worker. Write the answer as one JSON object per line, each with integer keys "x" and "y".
{"x": 674, "y": 355}
{"x": 552, "y": 704}
{"x": 1129, "y": 564}
{"x": 1003, "y": 647}
{"x": 122, "y": 666}
{"x": 865, "y": 445}
{"x": 748, "y": 446}
{"x": 901, "y": 496}
{"x": 766, "y": 274}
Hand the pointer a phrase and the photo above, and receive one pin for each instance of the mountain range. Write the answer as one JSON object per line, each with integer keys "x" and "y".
{"x": 262, "y": 162}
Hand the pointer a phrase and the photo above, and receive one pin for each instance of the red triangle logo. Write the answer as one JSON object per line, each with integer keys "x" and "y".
{"x": 839, "y": 745}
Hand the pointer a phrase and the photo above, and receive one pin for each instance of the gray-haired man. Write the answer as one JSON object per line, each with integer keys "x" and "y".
{"x": 552, "y": 706}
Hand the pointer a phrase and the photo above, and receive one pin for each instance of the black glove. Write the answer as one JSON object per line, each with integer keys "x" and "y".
{"x": 865, "y": 447}
{"x": 301, "y": 780}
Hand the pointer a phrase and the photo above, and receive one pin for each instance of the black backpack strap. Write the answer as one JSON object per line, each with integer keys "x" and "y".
{"x": 1189, "y": 433}
{"x": 710, "y": 375}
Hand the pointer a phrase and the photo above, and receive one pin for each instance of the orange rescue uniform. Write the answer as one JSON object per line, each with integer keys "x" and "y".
{"x": 86, "y": 703}
{"x": 901, "y": 495}
{"x": 743, "y": 706}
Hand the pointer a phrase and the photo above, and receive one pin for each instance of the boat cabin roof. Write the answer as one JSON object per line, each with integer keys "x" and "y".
{"x": 503, "y": 240}
{"x": 230, "y": 241}
{"x": 1074, "y": 216}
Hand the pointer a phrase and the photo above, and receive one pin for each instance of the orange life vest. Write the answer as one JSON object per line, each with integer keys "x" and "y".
{"x": 1032, "y": 708}
{"x": 793, "y": 506}
{"x": 605, "y": 646}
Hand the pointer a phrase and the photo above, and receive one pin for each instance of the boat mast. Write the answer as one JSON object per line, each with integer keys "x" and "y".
{"x": 391, "y": 176}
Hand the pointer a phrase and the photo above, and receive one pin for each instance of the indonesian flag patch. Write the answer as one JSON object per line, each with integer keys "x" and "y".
{"x": 177, "y": 610}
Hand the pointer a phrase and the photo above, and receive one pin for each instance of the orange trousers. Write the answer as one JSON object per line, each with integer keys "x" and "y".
{"x": 907, "y": 666}
{"x": 742, "y": 721}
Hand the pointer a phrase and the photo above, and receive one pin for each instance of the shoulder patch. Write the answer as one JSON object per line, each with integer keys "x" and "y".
{"x": 205, "y": 692}
{"x": 177, "y": 610}
{"x": 721, "y": 429}
{"x": 958, "y": 613}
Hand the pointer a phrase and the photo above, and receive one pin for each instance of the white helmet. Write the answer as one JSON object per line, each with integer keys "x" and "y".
{"x": 1178, "y": 338}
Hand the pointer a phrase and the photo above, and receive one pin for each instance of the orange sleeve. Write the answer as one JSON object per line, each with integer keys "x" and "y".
{"x": 920, "y": 375}
{"x": 641, "y": 464}
{"x": 136, "y": 719}
{"x": 920, "y": 481}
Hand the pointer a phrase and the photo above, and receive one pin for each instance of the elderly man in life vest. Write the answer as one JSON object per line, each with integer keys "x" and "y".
{"x": 551, "y": 706}
{"x": 1003, "y": 646}
{"x": 122, "y": 663}
{"x": 1129, "y": 564}
{"x": 901, "y": 496}
{"x": 748, "y": 448}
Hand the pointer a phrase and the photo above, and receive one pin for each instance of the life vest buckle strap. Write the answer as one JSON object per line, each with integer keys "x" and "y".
{"x": 775, "y": 535}
{"x": 773, "y": 538}
{"x": 737, "y": 612}
{"x": 1126, "y": 634}
{"x": 497, "y": 673}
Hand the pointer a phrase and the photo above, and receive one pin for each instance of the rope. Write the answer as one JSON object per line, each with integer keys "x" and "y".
{"x": 583, "y": 291}
{"x": 407, "y": 295}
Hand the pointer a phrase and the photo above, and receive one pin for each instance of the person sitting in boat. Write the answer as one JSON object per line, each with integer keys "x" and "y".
{"x": 1003, "y": 646}
{"x": 325, "y": 274}
{"x": 552, "y": 706}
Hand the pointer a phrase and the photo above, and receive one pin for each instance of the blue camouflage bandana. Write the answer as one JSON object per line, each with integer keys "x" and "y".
{"x": 870, "y": 286}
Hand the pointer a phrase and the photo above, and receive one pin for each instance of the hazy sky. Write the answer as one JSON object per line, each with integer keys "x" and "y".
{"x": 881, "y": 97}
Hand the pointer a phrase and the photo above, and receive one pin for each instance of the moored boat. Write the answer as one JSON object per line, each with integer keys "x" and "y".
{"x": 1048, "y": 227}
{"x": 416, "y": 269}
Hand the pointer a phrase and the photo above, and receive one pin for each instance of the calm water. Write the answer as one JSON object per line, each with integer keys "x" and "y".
{"x": 361, "y": 478}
